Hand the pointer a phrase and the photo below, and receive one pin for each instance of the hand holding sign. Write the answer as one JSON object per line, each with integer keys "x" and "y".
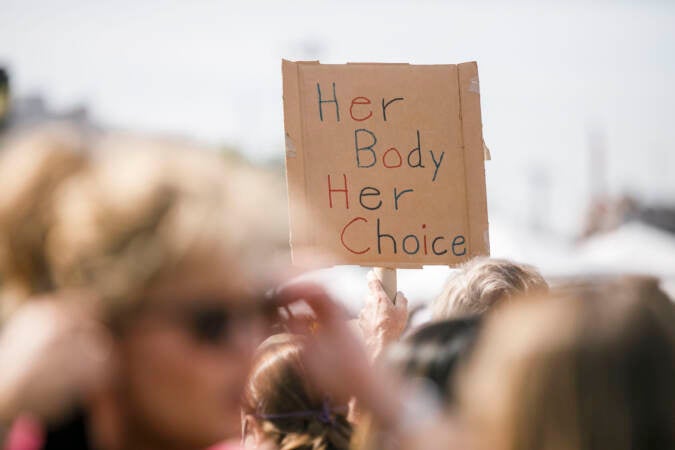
{"x": 383, "y": 319}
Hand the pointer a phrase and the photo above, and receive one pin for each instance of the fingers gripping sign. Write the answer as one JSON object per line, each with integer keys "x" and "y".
{"x": 387, "y": 277}
{"x": 382, "y": 321}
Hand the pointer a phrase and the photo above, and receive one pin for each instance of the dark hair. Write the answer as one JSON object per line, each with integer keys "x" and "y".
{"x": 292, "y": 414}
{"x": 434, "y": 351}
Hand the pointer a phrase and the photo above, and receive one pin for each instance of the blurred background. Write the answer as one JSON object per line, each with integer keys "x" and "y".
{"x": 578, "y": 103}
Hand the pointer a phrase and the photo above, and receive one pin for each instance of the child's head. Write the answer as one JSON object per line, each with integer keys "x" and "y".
{"x": 282, "y": 407}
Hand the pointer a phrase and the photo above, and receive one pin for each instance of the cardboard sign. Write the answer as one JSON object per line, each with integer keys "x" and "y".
{"x": 385, "y": 163}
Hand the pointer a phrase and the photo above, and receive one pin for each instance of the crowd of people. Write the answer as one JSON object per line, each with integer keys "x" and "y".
{"x": 142, "y": 308}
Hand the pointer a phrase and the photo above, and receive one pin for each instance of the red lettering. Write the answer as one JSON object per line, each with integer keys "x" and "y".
{"x": 331, "y": 190}
{"x": 360, "y": 101}
{"x": 384, "y": 158}
{"x": 342, "y": 236}
{"x": 425, "y": 239}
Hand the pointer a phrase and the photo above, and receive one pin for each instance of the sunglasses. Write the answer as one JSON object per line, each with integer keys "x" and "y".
{"x": 212, "y": 323}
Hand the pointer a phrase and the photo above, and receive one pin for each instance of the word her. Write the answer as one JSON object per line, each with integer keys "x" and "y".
{"x": 356, "y": 101}
{"x": 369, "y": 196}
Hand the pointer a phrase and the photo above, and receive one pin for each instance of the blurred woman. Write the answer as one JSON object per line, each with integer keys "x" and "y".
{"x": 590, "y": 371}
{"x": 44, "y": 354}
{"x": 159, "y": 247}
{"x": 283, "y": 409}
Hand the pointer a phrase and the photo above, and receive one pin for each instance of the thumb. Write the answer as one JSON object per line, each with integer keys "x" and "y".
{"x": 401, "y": 301}
{"x": 375, "y": 286}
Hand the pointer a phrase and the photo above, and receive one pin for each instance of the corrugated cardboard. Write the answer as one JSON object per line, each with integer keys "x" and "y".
{"x": 443, "y": 220}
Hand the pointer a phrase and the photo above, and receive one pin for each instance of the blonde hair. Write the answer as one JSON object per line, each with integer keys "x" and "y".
{"x": 32, "y": 167}
{"x": 280, "y": 396}
{"x": 588, "y": 371}
{"x": 113, "y": 215}
{"x": 143, "y": 212}
{"x": 481, "y": 283}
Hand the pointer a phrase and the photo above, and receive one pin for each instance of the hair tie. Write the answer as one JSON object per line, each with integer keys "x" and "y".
{"x": 324, "y": 415}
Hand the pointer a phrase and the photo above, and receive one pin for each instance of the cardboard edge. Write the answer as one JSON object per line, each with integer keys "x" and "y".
{"x": 307, "y": 258}
{"x": 365, "y": 63}
{"x": 294, "y": 156}
{"x": 474, "y": 159}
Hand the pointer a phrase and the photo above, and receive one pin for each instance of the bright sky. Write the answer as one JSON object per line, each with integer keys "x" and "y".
{"x": 552, "y": 74}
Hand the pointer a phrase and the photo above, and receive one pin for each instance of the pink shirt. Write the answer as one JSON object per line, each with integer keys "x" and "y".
{"x": 25, "y": 433}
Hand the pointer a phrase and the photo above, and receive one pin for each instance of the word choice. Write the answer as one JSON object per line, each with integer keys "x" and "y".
{"x": 410, "y": 244}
